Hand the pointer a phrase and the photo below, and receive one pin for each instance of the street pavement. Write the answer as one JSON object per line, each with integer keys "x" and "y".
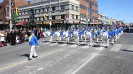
{"x": 62, "y": 58}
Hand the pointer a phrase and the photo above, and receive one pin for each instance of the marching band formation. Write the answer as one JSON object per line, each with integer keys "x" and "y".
{"x": 105, "y": 33}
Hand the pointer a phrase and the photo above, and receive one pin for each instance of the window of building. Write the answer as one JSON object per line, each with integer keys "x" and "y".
{"x": 77, "y": 17}
{"x": 76, "y": 8}
{"x": 37, "y": 19}
{"x": 62, "y": 16}
{"x": 12, "y": 11}
{"x": 53, "y": 17}
{"x": 82, "y": 6}
{"x": 53, "y": 8}
{"x": 12, "y": 4}
{"x": 87, "y": 1}
{"x": 81, "y": 15}
{"x": 41, "y": 10}
{"x": 72, "y": 16}
{"x": 47, "y": 8}
{"x": 62, "y": 7}
{"x": 72, "y": 7}
{"x": 54, "y": 0}
{"x": 0, "y": 7}
{"x": 42, "y": 18}
{"x": 92, "y": 3}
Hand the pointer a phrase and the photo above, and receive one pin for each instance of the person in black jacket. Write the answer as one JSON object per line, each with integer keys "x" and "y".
{"x": 13, "y": 38}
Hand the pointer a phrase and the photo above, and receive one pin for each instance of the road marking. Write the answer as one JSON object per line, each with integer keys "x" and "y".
{"x": 85, "y": 47}
{"x": 44, "y": 43}
{"x": 53, "y": 44}
{"x": 99, "y": 48}
{"x": 116, "y": 47}
{"x": 24, "y": 61}
{"x": 62, "y": 45}
{"x": 130, "y": 47}
{"x": 92, "y": 57}
{"x": 73, "y": 46}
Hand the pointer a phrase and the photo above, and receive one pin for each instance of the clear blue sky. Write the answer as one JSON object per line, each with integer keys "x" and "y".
{"x": 122, "y": 8}
{"x": 111, "y": 8}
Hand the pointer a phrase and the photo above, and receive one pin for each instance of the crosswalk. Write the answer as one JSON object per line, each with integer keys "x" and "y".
{"x": 122, "y": 47}
{"x": 82, "y": 45}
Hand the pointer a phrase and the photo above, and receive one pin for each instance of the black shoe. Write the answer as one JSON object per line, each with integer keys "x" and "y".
{"x": 35, "y": 56}
{"x": 30, "y": 59}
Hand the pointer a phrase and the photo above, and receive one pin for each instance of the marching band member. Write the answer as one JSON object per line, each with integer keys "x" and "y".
{"x": 78, "y": 34}
{"x": 96, "y": 35}
{"x": 112, "y": 34}
{"x": 58, "y": 34}
{"x": 67, "y": 36}
{"x": 51, "y": 35}
{"x": 106, "y": 36}
{"x": 85, "y": 31}
{"x": 61, "y": 34}
{"x": 115, "y": 34}
{"x": 90, "y": 34}
{"x": 101, "y": 33}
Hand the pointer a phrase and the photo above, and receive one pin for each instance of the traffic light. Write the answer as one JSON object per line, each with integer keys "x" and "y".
{"x": 16, "y": 10}
{"x": 85, "y": 15}
{"x": 44, "y": 15}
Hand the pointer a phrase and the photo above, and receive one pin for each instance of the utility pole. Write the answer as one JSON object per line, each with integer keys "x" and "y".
{"x": 10, "y": 17}
{"x": 87, "y": 14}
{"x": 50, "y": 18}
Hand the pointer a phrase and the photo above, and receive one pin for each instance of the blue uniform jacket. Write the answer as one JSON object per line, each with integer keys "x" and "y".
{"x": 69, "y": 33}
{"x": 98, "y": 32}
{"x": 52, "y": 32}
{"x": 112, "y": 33}
{"x": 33, "y": 41}
{"x": 92, "y": 33}
{"x": 61, "y": 33}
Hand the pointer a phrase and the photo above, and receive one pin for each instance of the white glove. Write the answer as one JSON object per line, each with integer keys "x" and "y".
{"x": 37, "y": 46}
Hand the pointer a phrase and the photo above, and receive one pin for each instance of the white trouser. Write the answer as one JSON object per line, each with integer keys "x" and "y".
{"x": 101, "y": 37}
{"x": 51, "y": 38}
{"x": 107, "y": 42}
{"x": 81, "y": 37}
{"x": 112, "y": 39}
{"x": 85, "y": 39}
{"x": 77, "y": 40}
{"x": 58, "y": 37}
{"x": 67, "y": 39}
{"x": 90, "y": 40}
{"x": 97, "y": 38}
{"x": 32, "y": 51}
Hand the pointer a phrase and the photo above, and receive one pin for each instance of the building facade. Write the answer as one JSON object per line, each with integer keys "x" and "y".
{"x": 4, "y": 9}
{"x": 57, "y": 12}
{"x": 103, "y": 19}
{"x": 88, "y": 9}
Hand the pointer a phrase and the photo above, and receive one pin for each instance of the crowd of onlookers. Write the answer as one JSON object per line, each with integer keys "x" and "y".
{"x": 17, "y": 36}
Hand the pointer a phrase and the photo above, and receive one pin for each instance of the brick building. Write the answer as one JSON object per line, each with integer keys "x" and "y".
{"x": 4, "y": 9}
{"x": 88, "y": 8}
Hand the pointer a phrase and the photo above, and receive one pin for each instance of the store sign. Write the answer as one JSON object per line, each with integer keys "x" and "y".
{"x": 54, "y": 22}
{"x": 46, "y": 22}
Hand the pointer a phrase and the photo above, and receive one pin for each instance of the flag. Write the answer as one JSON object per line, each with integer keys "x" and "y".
{"x": 15, "y": 17}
